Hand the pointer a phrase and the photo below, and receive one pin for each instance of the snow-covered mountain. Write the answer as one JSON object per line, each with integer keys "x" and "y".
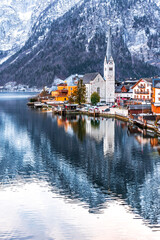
{"x": 65, "y": 40}
{"x": 20, "y": 18}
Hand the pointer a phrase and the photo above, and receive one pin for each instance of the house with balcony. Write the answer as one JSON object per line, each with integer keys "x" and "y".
{"x": 123, "y": 92}
{"x": 142, "y": 90}
{"x": 63, "y": 92}
{"x": 156, "y": 96}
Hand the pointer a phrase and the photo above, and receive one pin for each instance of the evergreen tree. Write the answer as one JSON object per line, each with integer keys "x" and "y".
{"x": 79, "y": 94}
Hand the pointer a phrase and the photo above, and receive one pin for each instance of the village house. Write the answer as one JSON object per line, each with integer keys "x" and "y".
{"x": 63, "y": 92}
{"x": 123, "y": 92}
{"x": 156, "y": 96}
{"x": 142, "y": 90}
{"x": 139, "y": 109}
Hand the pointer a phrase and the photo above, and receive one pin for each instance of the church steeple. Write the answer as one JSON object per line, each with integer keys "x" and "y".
{"x": 109, "y": 71}
{"x": 109, "y": 46}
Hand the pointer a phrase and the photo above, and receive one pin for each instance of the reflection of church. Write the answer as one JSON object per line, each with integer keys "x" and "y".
{"x": 105, "y": 132}
{"x": 109, "y": 139}
{"x": 104, "y": 86}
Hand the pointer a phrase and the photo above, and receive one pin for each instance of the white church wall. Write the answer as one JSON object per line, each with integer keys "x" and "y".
{"x": 93, "y": 86}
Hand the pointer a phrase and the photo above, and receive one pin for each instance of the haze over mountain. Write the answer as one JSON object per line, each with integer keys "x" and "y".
{"x": 73, "y": 40}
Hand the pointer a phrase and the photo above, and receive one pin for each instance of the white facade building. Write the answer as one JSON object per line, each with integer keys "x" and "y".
{"x": 142, "y": 90}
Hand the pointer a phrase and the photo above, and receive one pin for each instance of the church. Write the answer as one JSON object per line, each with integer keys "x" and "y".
{"x": 104, "y": 86}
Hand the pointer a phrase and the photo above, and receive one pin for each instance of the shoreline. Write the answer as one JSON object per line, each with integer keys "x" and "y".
{"x": 122, "y": 118}
{"x": 115, "y": 115}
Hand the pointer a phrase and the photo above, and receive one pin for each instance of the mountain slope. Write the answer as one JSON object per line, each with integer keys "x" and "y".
{"x": 76, "y": 43}
{"x": 19, "y": 19}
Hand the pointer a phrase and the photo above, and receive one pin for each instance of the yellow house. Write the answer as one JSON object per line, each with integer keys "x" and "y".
{"x": 63, "y": 92}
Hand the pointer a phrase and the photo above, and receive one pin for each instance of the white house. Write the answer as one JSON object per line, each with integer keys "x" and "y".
{"x": 142, "y": 90}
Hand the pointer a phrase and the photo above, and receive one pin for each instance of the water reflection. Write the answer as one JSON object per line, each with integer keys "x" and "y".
{"x": 92, "y": 161}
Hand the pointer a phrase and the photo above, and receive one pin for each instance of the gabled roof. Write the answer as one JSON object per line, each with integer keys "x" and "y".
{"x": 89, "y": 77}
{"x": 148, "y": 80}
{"x": 118, "y": 89}
{"x": 156, "y": 82}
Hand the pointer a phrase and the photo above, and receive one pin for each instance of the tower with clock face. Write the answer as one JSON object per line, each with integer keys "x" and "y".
{"x": 109, "y": 72}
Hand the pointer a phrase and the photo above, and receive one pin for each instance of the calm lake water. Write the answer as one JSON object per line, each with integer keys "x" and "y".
{"x": 75, "y": 178}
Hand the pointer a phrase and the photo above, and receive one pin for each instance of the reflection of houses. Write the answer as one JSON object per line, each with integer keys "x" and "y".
{"x": 63, "y": 92}
{"x": 156, "y": 96}
{"x": 95, "y": 129}
{"x": 142, "y": 89}
{"x": 94, "y": 82}
{"x": 141, "y": 140}
{"x": 104, "y": 131}
{"x": 74, "y": 168}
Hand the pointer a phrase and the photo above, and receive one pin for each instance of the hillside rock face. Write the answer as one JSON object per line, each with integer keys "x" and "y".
{"x": 76, "y": 42}
{"x": 19, "y": 19}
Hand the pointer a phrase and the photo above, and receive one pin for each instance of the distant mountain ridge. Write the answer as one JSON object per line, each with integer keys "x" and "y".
{"x": 76, "y": 42}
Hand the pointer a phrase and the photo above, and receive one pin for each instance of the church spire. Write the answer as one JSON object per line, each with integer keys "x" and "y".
{"x": 109, "y": 46}
{"x": 109, "y": 71}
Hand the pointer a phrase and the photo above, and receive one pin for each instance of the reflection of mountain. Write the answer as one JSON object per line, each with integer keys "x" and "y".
{"x": 79, "y": 169}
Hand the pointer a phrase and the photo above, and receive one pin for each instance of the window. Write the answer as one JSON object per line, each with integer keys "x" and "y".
{"x": 71, "y": 88}
{"x": 64, "y": 99}
{"x": 110, "y": 69}
{"x": 98, "y": 91}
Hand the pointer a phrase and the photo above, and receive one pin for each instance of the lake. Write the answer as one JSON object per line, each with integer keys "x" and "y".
{"x": 75, "y": 177}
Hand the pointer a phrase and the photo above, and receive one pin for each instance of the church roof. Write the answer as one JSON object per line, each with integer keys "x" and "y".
{"x": 109, "y": 46}
{"x": 89, "y": 77}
